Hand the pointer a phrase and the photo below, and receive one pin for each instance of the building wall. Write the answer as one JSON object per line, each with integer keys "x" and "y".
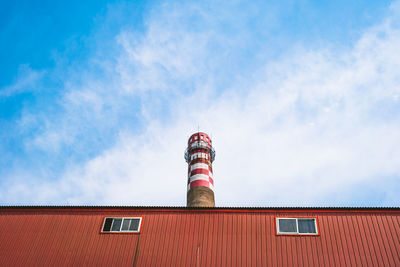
{"x": 171, "y": 237}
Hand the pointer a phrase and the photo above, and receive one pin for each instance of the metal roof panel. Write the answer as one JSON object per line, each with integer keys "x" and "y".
{"x": 70, "y": 235}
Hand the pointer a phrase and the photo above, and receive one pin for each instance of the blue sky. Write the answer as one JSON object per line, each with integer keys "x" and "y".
{"x": 301, "y": 98}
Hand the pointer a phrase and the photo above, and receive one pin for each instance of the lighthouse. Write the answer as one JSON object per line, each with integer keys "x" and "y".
{"x": 199, "y": 155}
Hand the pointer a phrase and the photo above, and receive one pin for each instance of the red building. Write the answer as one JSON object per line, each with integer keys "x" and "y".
{"x": 181, "y": 236}
{"x": 199, "y": 234}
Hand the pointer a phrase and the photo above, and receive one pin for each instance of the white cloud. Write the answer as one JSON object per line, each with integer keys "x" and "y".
{"x": 307, "y": 129}
{"x": 26, "y": 81}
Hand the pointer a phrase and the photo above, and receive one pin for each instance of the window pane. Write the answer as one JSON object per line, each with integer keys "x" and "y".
{"x": 107, "y": 225}
{"x": 125, "y": 225}
{"x": 307, "y": 226}
{"x": 287, "y": 225}
{"x": 116, "y": 225}
{"x": 134, "y": 225}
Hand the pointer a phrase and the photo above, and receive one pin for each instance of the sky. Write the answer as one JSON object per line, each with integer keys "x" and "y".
{"x": 301, "y": 99}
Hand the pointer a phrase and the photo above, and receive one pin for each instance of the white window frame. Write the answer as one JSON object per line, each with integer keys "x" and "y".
{"x": 121, "y": 231}
{"x": 297, "y": 226}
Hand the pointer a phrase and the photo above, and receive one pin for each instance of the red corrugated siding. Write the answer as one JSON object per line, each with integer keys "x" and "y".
{"x": 197, "y": 238}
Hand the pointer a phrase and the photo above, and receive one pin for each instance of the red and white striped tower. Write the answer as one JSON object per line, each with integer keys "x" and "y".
{"x": 200, "y": 155}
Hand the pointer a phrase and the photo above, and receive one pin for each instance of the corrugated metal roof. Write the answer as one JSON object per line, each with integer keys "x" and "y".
{"x": 94, "y": 207}
{"x": 177, "y": 236}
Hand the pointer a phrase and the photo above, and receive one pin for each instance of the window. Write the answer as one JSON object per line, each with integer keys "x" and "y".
{"x": 296, "y": 226}
{"x": 122, "y": 224}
